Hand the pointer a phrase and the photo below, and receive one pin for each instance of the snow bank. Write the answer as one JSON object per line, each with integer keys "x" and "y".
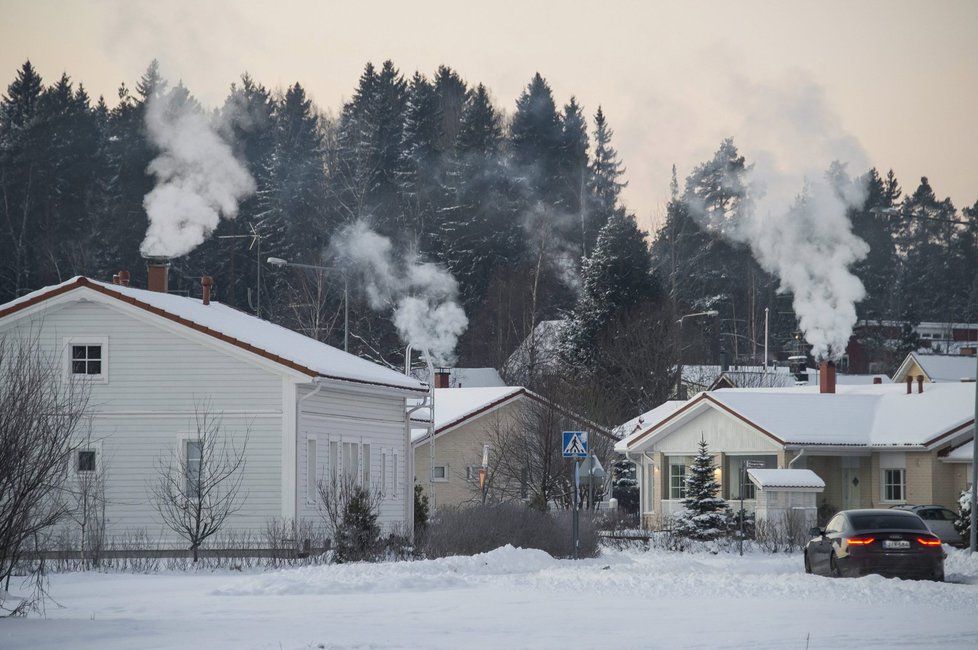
{"x": 449, "y": 572}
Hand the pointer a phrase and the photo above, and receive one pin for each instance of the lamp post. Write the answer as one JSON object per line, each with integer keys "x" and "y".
{"x": 679, "y": 351}
{"x": 279, "y": 262}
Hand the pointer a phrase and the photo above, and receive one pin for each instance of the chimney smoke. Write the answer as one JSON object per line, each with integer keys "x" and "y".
{"x": 158, "y": 271}
{"x": 206, "y": 283}
{"x": 826, "y": 376}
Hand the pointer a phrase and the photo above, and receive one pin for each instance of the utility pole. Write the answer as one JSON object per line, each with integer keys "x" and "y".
{"x": 766, "y": 314}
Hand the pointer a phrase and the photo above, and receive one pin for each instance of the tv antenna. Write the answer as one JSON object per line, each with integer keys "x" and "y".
{"x": 255, "y": 245}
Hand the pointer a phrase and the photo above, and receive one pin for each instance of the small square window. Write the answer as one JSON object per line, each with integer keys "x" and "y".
{"x": 439, "y": 473}
{"x": 86, "y": 461}
{"x": 86, "y": 360}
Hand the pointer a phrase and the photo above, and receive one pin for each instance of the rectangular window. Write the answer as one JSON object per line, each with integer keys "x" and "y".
{"x": 737, "y": 479}
{"x": 311, "y": 470}
{"x": 383, "y": 470}
{"x": 86, "y": 360}
{"x": 193, "y": 450}
{"x": 649, "y": 487}
{"x": 677, "y": 480}
{"x": 366, "y": 466}
{"x": 351, "y": 460}
{"x": 894, "y": 484}
{"x": 439, "y": 473}
{"x": 86, "y": 461}
{"x": 334, "y": 459}
{"x": 394, "y": 477}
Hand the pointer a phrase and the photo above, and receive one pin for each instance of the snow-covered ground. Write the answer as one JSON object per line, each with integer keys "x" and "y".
{"x": 510, "y": 598}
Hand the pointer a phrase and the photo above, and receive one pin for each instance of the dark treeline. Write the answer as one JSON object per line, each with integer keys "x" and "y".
{"x": 523, "y": 207}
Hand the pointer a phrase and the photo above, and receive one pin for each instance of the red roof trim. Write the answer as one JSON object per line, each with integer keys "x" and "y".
{"x": 85, "y": 282}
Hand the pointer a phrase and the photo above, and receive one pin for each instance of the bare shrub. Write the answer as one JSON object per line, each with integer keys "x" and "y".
{"x": 782, "y": 533}
{"x": 195, "y": 496}
{"x": 41, "y": 417}
{"x": 481, "y": 528}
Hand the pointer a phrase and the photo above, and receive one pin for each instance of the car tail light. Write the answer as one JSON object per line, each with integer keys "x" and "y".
{"x": 928, "y": 541}
{"x": 860, "y": 541}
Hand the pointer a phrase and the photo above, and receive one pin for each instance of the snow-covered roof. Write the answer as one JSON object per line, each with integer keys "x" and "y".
{"x": 962, "y": 454}
{"x": 541, "y": 350}
{"x": 874, "y": 415}
{"x": 939, "y": 367}
{"x": 648, "y": 419}
{"x": 238, "y": 328}
{"x": 785, "y": 478}
{"x": 465, "y": 377}
{"x": 455, "y": 405}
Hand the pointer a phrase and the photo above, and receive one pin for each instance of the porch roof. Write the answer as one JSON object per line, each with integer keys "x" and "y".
{"x": 767, "y": 479}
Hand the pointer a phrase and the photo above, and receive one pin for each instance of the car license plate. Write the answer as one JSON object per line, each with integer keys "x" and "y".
{"x": 896, "y": 543}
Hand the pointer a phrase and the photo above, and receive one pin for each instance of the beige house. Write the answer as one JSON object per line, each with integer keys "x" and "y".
{"x": 467, "y": 419}
{"x": 936, "y": 367}
{"x": 874, "y": 445}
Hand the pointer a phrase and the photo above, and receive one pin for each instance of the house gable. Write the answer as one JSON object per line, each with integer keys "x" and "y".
{"x": 722, "y": 430}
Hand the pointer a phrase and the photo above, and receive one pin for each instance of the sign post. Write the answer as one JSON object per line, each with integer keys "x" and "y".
{"x": 483, "y": 471}
{"x": 576, "y": 447}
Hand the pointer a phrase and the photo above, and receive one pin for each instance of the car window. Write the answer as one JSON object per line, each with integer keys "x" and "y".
{"x": 946, "y": 515}
{"x": 929, "y": 515}
{"x": 834, "y": 525}
{"x": 874, "y": 521}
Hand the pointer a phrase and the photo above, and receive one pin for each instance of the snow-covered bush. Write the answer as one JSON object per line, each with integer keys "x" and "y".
{"x": 475, "y": 529}
{"x": 963, "y": 523}
{"x": 706, "y": 515}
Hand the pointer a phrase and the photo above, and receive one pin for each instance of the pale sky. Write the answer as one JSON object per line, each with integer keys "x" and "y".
{"x": 888, "y": 83}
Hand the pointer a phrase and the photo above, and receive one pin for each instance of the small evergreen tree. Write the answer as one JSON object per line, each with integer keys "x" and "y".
{"x": 963, "y": 523}
{"x": 624, "y": 485}
{"x": 358, "y": 535}
{"x": 421, "y": 513}
{"x": 706, "y": 516}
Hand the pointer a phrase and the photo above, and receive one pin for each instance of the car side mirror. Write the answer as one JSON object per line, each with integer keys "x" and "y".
{"x": 816, "y": 532}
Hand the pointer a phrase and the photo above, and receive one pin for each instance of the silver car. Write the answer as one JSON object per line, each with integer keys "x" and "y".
{"x": 939, "y": 520}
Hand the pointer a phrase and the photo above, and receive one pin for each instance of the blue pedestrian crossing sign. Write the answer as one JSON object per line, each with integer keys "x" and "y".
{"x": 575, "y": 444}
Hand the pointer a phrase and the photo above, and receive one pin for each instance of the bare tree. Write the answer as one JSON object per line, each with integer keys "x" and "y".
{"x": 87, "y": 492}
{"x": 41, "y": 415}
{"x": 200, "y": 489}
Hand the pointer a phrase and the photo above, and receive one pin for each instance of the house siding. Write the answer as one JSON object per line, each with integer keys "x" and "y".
{"x": 156, "y": 380}
{"x": 362, "y": 417}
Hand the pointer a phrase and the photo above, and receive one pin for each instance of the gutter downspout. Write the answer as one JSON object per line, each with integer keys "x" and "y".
{"x": 318, "y": 382}
{"x": 801, "y": 452}
{"x": 431, "y": 436}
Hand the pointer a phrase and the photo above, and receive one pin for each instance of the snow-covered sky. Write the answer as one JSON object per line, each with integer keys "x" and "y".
{"x": 674, "y": 78}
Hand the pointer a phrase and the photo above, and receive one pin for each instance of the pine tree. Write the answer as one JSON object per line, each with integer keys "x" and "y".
{"x": 617, "y": 277}
{"x": 573, "y": 165}
{"x": 604, "y": 180}
{"x": 878, "y": 269}
{"x": 706, "y": 515}
{"x": 535, "y": 142}
{"x": 421, "y": 166}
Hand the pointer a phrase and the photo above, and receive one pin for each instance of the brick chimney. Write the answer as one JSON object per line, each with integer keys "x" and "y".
{"x": 206, "y": 283}
{"x": 909, "y": 384}
{"x": 124, "y": 277}
{"x": 442, "y": 376}
{"x": 877, "y": 380}
{"x": 826, "y": 376}
{"x": 158, "y": 271}
{"x": 920, "y": 383}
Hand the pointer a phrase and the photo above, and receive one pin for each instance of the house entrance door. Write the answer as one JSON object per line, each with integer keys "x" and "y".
{"x": 850, "y": 482}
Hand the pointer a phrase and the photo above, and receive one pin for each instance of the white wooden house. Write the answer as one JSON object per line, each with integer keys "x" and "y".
{"x": 152, "y": 358}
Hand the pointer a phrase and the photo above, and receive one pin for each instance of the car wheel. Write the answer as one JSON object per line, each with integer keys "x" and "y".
{"x": 808, "y": 564}
{"x": 834, "y": 569}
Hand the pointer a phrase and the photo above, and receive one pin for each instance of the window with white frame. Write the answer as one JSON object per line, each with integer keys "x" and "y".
{"x": 677, "y": 476}
{"x": 394, "y": 477}
{"x": 472, "y": 472}
{"x": 311, "y": 462}
{"x": 87, "y": 358}
{"x": 649, "y": 486}
{"x": 334, "y": 460}
{"x": 365, "y": 473}
{"x": 383, "y": 471}
{"x": 85, "y": 460}
{"x": 439, "y": 473}
{"x": 894, "y": 484}
{"x": 351, "y": 460}
{"x": 193, "y": 464}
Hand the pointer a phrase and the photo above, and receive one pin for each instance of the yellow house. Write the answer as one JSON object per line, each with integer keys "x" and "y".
{"x": 875, "y": 445}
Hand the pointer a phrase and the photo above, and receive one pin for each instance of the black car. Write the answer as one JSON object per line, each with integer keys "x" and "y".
{"x": 888, "y": 542}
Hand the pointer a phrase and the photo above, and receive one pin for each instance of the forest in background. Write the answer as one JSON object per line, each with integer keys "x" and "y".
{"x": 520, "y": 202}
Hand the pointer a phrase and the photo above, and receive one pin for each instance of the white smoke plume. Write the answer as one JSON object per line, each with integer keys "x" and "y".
{"x": 198, "y": 179}
{"x": 422, "y": 295}
{"x": 795, "y": 217}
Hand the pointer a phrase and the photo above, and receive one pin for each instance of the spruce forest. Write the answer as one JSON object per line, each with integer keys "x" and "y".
{"x": 520, "y": 201}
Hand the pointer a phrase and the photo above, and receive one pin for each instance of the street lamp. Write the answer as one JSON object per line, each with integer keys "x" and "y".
{"x": 281, "y": 263}
{"x": 679, "y": 352}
